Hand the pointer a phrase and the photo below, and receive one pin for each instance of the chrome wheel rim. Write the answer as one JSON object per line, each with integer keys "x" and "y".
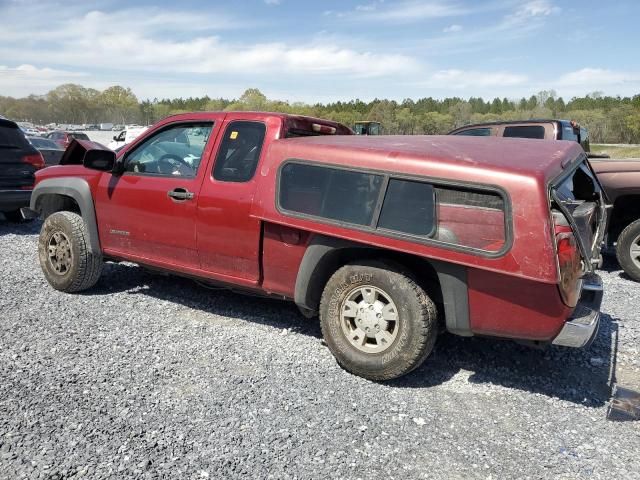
{"x": 634, "y": 251}
{"x": 59, "y": 253}
{"x": 369, "y": 319}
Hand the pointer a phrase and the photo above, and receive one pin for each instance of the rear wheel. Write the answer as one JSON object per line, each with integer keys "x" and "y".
{"x": 377, "y": 321}
{"x": 628, "y": 250}
{"x": 65, "y": 258}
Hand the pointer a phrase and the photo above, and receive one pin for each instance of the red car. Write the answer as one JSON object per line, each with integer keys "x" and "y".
{"x": 389, "y": 239}
{"x": 63, "y": 139}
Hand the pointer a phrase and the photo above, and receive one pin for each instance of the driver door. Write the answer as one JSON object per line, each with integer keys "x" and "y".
{"x": 148, "y": 213}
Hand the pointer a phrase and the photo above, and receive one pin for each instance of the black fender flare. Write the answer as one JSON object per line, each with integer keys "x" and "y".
{"x": 322, "y": 258}
{"x": 79, "y": 190}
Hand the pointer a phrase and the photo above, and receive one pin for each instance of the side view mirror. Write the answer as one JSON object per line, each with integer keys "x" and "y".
{"x": 115, "y": 137}
{"x": 118, "y": 167}
{"x": 89, "y": 154}
{"x": 103, "y": 160}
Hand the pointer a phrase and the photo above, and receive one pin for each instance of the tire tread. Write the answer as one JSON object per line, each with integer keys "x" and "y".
{"x": 622, "y": 250}
{"x": 427, "y": 333}
{"x": 89, "y": 263}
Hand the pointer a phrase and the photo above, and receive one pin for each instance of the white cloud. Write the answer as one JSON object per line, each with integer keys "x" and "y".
{"x": 536, "y": 8}
{"x": 27, "y": 79}
{"x": 599, "y": 78}
{"x": 273, "y": 2}
{"x": 155, "y": 42}
{"x": 402, "y": 12}
{"x": 531, "y": 10}
{"x": 369, "y": 7}
{"x": 469, "y": 79}
{"x": 452, "y": 28}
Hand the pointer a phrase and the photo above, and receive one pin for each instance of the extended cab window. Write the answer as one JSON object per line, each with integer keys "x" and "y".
{"x": 471, "y": 218}
{"x": 463, "y": 216}
{"x": 409, "y": 207}
{"x": 239, "y": 151}
{"x": 175, "y": 151}
{"x": 524, "y": 131}
{"x": 331, "y": 193}
{"x": 476, "y": 132}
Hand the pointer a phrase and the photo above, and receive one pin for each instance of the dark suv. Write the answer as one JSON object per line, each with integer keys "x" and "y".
{"x": 19, "y": 160}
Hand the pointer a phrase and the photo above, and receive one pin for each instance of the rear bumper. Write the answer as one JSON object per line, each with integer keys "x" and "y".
{"x": 581, "y": 328}
{"x": 14, "y": 199}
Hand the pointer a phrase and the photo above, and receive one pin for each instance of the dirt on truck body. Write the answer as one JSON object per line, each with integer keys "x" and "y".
{"x": 619, "y": 178}
{"x": 388, "y": 239}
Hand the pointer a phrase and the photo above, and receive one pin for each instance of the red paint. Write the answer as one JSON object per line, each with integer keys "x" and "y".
{"x": 233, "y": 232}
{"x": 283, "y": 249}
{"x": 514, "y": 307}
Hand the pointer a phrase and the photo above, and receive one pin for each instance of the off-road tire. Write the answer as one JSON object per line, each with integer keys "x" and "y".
{"x": 627, "y": 239}
{"x": 85, "y": 267}
{"x": 417, "y": 320}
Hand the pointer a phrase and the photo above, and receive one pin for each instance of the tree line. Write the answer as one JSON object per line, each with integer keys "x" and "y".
{"x": 609, "y": 119}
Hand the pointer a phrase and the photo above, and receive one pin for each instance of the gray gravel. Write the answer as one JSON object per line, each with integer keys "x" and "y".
{"x": 156, "y": 377}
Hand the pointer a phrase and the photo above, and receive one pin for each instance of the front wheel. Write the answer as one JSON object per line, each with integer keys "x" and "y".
{"x": 65, "y": 256}
{"x": 628, "y": 250}
{"x": 376, "y": 320}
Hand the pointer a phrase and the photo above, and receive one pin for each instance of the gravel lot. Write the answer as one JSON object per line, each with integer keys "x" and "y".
{"x": 155, "y": 377}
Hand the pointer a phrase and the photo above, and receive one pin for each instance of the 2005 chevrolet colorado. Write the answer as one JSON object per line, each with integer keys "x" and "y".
{"x": 388, "y": 239}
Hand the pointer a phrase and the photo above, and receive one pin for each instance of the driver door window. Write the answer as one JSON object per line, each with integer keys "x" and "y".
{"x": 173, "y": 152}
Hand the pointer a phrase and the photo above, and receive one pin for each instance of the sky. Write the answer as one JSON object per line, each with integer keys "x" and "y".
{"x": 323, "y": 51}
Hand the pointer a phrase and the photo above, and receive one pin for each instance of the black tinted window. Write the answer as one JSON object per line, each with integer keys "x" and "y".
{"x": 43, "y": 143}
{"x": 12, "y": 138}
{"x": 331, "y": 193}
{"x": 525, "y": 131}
{"x": 408, "y": 207}
{"x": 239, "y": 152}
{"x": 476, "y": 132}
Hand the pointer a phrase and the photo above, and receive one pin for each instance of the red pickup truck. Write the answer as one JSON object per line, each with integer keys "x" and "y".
{"x": 389, "y": 239}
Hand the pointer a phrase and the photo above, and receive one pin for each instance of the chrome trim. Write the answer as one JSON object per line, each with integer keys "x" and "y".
{"x": 578, "y": 332}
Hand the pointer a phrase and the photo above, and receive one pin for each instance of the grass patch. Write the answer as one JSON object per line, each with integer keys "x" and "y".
{"x": 617, "y": 151}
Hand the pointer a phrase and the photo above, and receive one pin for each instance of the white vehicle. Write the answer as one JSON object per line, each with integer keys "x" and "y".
{"x": 106, "y": 126}
{"x": 125, "y": 137}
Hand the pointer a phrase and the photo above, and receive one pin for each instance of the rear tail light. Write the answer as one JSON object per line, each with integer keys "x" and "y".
{"x": 570, "y": 267}
{"x": 36, "y": 160}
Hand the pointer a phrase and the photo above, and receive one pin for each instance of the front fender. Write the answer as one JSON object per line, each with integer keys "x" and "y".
{"x": 76, "y": 188}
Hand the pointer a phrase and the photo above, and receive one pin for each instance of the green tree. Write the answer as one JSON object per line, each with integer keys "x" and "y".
{"x": 119, "y": 105}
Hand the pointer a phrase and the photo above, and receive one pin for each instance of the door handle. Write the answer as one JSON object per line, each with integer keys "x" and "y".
{"x": 180, "y": 194}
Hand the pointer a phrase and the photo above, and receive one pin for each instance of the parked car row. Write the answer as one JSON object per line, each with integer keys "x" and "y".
{"x": 125, "y": 137}
{"x": 64, "y": 138}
